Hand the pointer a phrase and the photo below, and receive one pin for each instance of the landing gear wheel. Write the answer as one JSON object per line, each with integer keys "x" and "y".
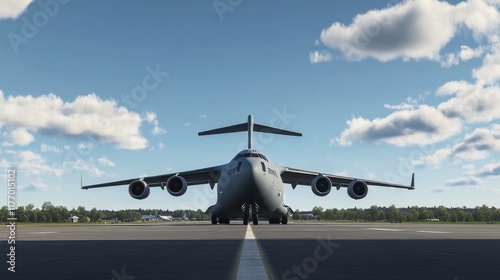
{"x": 284, "y": 220}
{"x": 255, "y": 219}
{"x": 214, "y": 220}
{"x": 245, "y": 219}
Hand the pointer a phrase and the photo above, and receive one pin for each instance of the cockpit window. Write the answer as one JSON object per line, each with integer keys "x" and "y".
{"x": 250, "y": 155}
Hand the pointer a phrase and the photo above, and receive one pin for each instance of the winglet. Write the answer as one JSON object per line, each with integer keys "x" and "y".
{"x": 413, "y": 180}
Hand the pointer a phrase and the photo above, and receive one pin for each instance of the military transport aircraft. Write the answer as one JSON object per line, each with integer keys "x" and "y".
{"x": 249, "y": 186}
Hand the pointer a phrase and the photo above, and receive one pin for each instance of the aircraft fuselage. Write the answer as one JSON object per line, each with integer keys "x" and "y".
{"x": 250, "y": 180}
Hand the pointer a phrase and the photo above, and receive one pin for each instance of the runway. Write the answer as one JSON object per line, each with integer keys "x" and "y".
{"x": 199, "y": 250}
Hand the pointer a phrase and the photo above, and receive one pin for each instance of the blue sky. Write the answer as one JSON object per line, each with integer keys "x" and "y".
{"x": 379, "y": 89}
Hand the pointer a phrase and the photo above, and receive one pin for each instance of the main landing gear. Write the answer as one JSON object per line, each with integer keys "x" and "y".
{"x": 221, "y": 220}
{"x": 277, "y": 221}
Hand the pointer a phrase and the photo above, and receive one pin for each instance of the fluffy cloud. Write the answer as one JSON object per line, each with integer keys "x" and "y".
{"x": 89, "y": 116}
{"x": 414, "y": 29}
{"x": 151, "y": 118}
{"x": 13, "y": 8}
{"x": 492, "y": 169}
{"x": 48, "y": 148}
{"x": 479, "y": 143}
{"x": 489, "y": 72}
{"x": 474, "y": 146}
{"x": 317, "y": 57}
{"x": 105, "y": 162}
{"x": 424, "y": 125}
{"x": 18, "y": 136}
{"x": 474, "y": 103}
{"x": 32, "y": 163}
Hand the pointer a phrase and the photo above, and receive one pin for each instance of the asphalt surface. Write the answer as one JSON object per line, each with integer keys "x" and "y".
{"x": 199, "y": 250}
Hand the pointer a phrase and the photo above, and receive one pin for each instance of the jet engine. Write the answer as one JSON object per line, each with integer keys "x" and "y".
{"x": 357, "y": 189}
{"x": 176, "y": 185}
{"x": 138, "y": 189}
{"x": 321, "y": 185}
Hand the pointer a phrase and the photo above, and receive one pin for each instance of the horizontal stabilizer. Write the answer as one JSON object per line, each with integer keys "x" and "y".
{"x": 274, "y": 130}
{"x": 228, "y": 129}
{"x": 250, "y": 126}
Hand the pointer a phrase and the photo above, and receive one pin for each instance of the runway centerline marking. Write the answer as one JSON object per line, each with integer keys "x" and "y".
{"x": 432, "y": 231}
{"x": 41, "y": 232}
{"x": 251, "y": 265}
{"x": 385, "y": 229}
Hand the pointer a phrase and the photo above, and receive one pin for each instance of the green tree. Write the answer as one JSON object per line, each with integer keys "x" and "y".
{"x": 442, "y": 214}
{"x": 374, "y": 213}
{"x": 296, "y": 214}
{"x": 4, "y": 213}
{"x": 318, "y": 212}
{"x": 21, "y": 215}
{"x": 47, "y": 206}
{"x": 392, "y": 213}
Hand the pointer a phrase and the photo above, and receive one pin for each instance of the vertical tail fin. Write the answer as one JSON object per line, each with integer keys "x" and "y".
{"x": 250, "y": 126}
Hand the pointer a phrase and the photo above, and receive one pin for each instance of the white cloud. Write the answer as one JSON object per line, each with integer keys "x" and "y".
{"x": 414, "y": 29}
{"x": 31, "y": 163}
{"x": 434, "y": 160}
{"x": 489, "y": 72}
{"x": 89, "y": 116}
{"x": 105, "y": 162}
{"x": 397, "y": 31}
{"x": 492, "y": 169}
{"x": 18, "y": 136}
{"x": 161, "y": 146}
{"x": 474, "y": 103}
{"x": 13, "y": 8}
{"x": 466, "y": 53}
{"x": 474, "y": 146}
{"x": 317, "y": 57}
{"x": 465, "y": 181}
{"x": 421, "y": 126}
{"x": 48, "y": 148}
{"x": 479, "y": 144}
{"x": 408, "y": 105}
{"x": 81, "y": 165}
{"x": 151, "y": 118}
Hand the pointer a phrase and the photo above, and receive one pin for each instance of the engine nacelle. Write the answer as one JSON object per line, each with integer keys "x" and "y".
{"x": 357, "y": 189}
{"x": 321, "y": 185}
{"x": 138, "y": 189}
{"x": 176, "y": 185}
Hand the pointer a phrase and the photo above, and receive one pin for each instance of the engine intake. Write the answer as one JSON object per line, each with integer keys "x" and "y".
{"x": 357, "y": 189}
{"x": 138, "y": 189}
{"x": 176, "y": 185}
{"x": 321, "y": 185}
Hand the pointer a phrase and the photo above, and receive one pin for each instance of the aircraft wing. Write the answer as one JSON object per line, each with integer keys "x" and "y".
{"x": 302, "y": 177}
{"x": 209, "y": 175}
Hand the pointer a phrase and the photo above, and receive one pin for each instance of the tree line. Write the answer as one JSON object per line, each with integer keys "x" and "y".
{"x": 407, "y": 214}
{"x": 49, "y": 213}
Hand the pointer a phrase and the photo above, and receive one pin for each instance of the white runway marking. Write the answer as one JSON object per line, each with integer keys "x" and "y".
{"x": 386, "y": 229}
{"x": 431, "y": 231}
{"x": 251, "y": 265}
{"x": 41, "y": 232}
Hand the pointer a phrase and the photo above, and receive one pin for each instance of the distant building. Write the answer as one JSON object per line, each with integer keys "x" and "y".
{"x": 73, "y": 219}
{"x": 432, "y": 220}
